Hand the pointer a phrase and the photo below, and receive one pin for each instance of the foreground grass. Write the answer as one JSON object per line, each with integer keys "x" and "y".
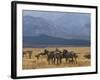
{"x": 33, "y": 63}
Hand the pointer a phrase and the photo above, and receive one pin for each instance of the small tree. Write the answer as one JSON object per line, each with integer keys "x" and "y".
{"x": 88, "y": 56}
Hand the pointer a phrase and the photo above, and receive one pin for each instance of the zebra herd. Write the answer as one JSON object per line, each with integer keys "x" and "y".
{"x": 56, "y": 57}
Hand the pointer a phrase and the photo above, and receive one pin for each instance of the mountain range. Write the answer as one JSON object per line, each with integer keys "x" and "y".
{"x": 45, "y": 40}
{"x": 34, "y": 26}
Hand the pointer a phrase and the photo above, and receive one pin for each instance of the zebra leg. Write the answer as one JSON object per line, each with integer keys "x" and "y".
{"x": 76, "y": 60}
{"x": 54, "y": 61}
{"x": 73, "y": 61}
{"x": 57, "y": 61}
{"x": 66, "y": 60}
{"x": 60, "y": 60}
{"x": 48, "y": 61}
{"x": 70, "y": 60}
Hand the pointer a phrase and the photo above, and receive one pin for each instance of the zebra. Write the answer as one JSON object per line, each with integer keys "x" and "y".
{"x": 70, "y": 56}
{"x": 27, "y": 52}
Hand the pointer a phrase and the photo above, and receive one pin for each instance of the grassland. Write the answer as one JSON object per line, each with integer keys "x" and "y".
{"x": 33, "y": 63}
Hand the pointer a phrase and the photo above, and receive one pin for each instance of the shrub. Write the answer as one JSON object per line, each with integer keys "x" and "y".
{"x": 88, "y": 56}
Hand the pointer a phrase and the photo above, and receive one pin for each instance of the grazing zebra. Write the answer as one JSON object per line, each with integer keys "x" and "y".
{"x": 54, "y": 57}
{"x": 70, "y": 56}
{"x": 58, "y": 57}
{"x": 27, "y": 52}
{"x": 37, "y": 56}
{"x": 42, "y": 54}
{"x": 51, "y": 57}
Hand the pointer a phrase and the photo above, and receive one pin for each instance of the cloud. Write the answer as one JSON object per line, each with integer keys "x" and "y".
{"x": 58, "y": 24}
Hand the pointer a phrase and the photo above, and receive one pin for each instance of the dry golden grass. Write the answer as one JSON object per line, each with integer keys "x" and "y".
{"x": 33, "y": 63}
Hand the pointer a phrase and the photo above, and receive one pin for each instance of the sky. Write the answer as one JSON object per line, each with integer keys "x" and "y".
{"x": 58, "y": 24}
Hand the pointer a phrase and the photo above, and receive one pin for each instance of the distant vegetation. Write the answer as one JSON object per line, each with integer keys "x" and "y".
{"x": 88, "y": 56}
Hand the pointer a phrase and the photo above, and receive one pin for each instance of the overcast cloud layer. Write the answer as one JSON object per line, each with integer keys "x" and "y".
{"x": 57, "y": 24}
